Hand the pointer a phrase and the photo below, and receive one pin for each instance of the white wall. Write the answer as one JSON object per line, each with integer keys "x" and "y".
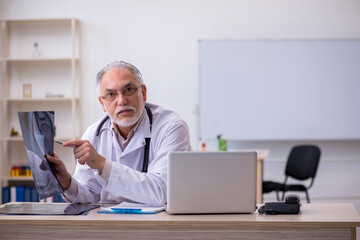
{"x": 161, "y": 38}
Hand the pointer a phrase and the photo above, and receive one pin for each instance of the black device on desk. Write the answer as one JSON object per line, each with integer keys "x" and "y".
{"x": 290, "y": 206}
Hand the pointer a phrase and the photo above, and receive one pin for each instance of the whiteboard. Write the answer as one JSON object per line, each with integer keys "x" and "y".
{"x": 278, "y": 90}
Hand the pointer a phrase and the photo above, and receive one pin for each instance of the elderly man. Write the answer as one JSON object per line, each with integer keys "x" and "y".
{"x": 123, "y": 156}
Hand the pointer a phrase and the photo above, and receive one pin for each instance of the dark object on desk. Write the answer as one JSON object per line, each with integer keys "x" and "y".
{"x": 78, "y": 208}
{"x": 31, "y": 208}
{"x": 290, "y": 206}
{"x": 301, "y": 165}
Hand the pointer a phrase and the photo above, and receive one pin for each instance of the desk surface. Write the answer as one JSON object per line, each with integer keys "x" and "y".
{"x": 319, "y": 218}
{"x": 310, "y": 214}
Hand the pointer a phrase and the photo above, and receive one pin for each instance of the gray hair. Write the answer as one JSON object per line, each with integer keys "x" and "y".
{"x": 118, "y": 65}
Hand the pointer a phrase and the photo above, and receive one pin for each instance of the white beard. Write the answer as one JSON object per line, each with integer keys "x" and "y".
{"x": 127, "y": 122}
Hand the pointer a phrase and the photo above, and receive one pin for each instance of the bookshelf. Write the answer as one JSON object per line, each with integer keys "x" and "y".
{"x": 39, "y": 72}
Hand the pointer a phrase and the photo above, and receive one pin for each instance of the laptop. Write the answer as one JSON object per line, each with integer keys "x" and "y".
{"x": 211, "y": 182}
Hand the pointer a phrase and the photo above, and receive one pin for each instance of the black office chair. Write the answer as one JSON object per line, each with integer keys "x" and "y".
{"x": 301, "y": 165}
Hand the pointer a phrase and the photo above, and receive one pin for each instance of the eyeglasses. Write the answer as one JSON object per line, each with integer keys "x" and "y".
{"x": 125, "y": 91}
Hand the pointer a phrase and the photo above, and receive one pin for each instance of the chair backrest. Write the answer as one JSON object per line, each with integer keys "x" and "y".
{"x": 303, "y": 162}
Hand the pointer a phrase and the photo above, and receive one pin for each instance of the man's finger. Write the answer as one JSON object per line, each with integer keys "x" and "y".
{"x": 74, "y": 142}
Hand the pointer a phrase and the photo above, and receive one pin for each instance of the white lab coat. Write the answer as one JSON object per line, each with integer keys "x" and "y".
{"x": 126, "y": 181}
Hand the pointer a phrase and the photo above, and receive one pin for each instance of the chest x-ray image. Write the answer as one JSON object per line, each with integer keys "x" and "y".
{"x": 38, "y": 133}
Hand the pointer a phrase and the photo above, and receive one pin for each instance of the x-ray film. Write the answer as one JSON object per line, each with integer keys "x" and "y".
{"x": 38, "y": 133}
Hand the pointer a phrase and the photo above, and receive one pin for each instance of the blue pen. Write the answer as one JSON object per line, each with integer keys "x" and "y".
{"x": 126, "y": 210}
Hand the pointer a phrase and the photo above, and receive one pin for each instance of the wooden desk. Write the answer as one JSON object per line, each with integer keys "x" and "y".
{"x": 316, "y": 221}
